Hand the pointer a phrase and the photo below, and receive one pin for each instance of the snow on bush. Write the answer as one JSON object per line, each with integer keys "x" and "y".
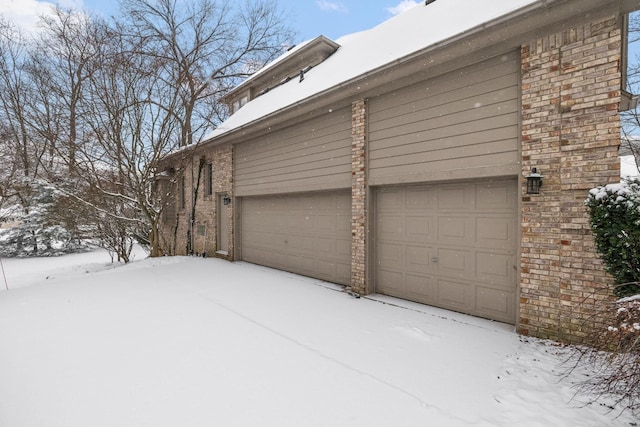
{"x": 614, "y": 215}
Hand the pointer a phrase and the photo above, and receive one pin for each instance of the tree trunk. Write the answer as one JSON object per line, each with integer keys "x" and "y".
{"x": 154, "y": 241}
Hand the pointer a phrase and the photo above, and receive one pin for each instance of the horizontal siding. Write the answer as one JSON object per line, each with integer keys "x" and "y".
{"x": 311, "y": 156}
{"x": 459, "y": 125}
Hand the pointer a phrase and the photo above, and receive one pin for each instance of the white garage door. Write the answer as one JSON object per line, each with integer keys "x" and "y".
{"x": 308, "y": 234}
{"x": 449, "y": 245}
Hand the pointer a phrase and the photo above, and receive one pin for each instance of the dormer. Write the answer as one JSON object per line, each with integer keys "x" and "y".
{"x": 292, "y": 64}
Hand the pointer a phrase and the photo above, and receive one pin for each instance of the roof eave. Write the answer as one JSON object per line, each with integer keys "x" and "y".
{"x": 507, "y": 32}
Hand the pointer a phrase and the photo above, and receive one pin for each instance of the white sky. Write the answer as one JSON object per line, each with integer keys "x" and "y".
{"x": 25, "y": 13}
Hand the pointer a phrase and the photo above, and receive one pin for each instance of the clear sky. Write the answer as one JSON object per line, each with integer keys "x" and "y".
{"x": 309, "y": 18}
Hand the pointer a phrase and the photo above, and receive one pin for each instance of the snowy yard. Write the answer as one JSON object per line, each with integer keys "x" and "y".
{"x": 203, "y": 342}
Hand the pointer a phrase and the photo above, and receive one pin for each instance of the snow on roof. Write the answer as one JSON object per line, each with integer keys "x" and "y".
{"x": 402, "y": 35}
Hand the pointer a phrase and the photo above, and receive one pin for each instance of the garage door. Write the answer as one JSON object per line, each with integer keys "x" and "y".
{"x": 450, "y": 245}
{"x": 308, "y": 234}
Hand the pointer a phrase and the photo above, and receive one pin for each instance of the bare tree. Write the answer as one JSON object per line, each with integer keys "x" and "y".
{"x": 62, "y": 60}
{"x": 15, "y": 90}
{"x": 202, "y": 47}
{"x": 164, "y": 69}
{"x": 103, "y": 103}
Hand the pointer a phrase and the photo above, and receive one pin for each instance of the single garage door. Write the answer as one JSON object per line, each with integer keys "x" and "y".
{"x": 449, "y": 245}
{"x": 308, "y": 234}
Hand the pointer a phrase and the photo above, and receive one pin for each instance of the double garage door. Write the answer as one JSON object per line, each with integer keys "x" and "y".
{"x": 449, "y": 245}
{"x": 308, "y": 234}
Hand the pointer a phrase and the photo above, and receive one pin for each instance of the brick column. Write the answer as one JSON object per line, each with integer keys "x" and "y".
{"x": 222, "y": 159}
{"x": 570, "y": 132}
{"x": 358, "y": 196}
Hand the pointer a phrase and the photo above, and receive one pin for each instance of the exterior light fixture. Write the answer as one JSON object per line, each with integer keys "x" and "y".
{"x": 226, "y": 200}
{"x": 534, "y": 182}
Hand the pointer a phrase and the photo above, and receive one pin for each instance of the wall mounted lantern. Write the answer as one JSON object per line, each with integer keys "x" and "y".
{"x": 534, "y": 182}
{"x": 226, "y": 200}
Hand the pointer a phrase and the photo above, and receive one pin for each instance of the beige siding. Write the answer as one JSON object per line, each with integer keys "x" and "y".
{"x": 308, "y": 234}
{"x": 460, "y": 125}
{"x": 314, "y": 155}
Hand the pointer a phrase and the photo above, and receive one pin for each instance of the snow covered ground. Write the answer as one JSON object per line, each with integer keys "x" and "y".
{"x": 203, "y": 342}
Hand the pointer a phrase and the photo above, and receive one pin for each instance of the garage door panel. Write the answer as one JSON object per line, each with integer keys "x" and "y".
{"x": 327, "y": 223}
{"x": 392, "y": 281}
{"x": 326, "y": 269}
{"x": 456, "y": 295}
{"x": 495, "y": 304}
{"x": 423, "y": 288}
{"x": 343, "y": 273}
{"x": 326, "y": 246}
{"x": 455, "y": 252}
{"x": 304, "y": 234}
{"x": 458, "y": 230}
{"x": 343, "y": 249}
{"x": 391, "y": 227}
{"x": 455, "y": 197}
{"x": 389, "y": 200}
{"x": 343, "y": 222}
{"x": 455, "y": 262}
{"x": 420, "y": 199}
{"x": 420, "y": 228}
{"x": 496, "y": 196}
{"x": 390, "y": 254}
{"x": 301, "y": 243}
{"x": 496, "y": 232}
{"x": 495, "y": 268}
{"x": 419, "y": 259}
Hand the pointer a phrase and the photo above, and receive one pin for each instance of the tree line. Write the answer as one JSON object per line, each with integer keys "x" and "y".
{"x": 89, "y": 106}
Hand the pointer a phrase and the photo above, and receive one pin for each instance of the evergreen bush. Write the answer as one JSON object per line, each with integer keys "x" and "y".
{"x": 614, "y": 216}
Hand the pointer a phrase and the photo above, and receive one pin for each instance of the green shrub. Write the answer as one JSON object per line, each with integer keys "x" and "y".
{"x": 614, "y": 212}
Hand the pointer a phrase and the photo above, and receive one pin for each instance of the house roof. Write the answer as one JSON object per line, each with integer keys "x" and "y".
{"x": 418, "y": 30}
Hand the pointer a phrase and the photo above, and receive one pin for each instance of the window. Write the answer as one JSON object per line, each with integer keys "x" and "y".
{"x": 239, "y": 103}
{"x": 208, "y": 188}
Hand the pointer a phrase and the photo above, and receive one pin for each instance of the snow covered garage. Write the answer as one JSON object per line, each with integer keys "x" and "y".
{"x": 394, "y": 160}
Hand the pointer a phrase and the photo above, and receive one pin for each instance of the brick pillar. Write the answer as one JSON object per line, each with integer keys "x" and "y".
{"x": 223, "y": 183}
{"x": 358, "y": 196}
{"x": 570, "y": 131}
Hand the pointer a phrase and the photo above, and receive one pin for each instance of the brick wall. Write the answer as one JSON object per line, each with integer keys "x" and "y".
{"x": 570, "y": 132}
{"x": 358, "y": 196}
{"x": 176, "y": 231}
{"x": 222, "y": 159}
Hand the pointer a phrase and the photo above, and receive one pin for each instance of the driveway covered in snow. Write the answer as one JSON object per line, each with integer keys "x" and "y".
{"x": 204, "y": 342}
